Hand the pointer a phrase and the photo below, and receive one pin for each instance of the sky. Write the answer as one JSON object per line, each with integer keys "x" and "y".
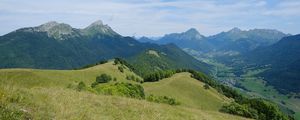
{"x": 154, "y": 17}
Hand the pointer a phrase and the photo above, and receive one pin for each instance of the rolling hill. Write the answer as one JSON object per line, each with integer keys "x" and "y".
{"x": 184, "y": 88}
{"x": 164, "y": 58}
{"x": 50, "y": 94}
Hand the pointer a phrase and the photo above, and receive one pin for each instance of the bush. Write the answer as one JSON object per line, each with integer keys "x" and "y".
{"x": 266, "y": 109}
{"x": 123, "y": 62}
{"x": 121, "y": 69}
{"x": 138, "y": 80}
{"x": 206, "y": 86}
{"x": 162, "y": 99}
{"x": 103, "y": 78}
{"x": 257, "y": 109}
{"x": 241, "y": 110}
{"x": 130, "y": 77}
{"x": 122, "y": 89}
{"x": 81, "y": 86}
{"x": 133, "y": 78}
{"x": 156, "y": 76}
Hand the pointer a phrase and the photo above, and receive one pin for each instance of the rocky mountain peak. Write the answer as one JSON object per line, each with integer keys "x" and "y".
{"x": 193, "y": 33}
{"x": 55, "y": 29}
{"x": 96, "y": 23}
{"x": 98, "y": 27}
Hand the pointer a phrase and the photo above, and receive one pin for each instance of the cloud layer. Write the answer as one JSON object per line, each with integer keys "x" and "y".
{"x": 154, "y": 17}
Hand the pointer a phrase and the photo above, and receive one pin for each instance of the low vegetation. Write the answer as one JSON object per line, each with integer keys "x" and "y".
{"x": 156, "y": 76}
{"x": 241, "y": 110}
{"x": 91, "y": 65}
{"x": 7, "y": 113}
{"x": 123, "y": 62}
{"x": 259, "y": 109}
{"x": 103, "y": 78}
{"x": 81, "y": 86}
{"x": 162, "y": 99}
{"x": 243, "y": 106}
{"x": 133, "y": 78}
{"x": 122, "y": 89}
{"x": 40, "y": 87}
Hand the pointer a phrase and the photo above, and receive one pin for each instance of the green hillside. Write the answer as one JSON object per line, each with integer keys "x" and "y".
{"x": 50, "y": 94}
{"x": 171, "y": 57}
{"x": 59, "y": 46}
{"x": 188, "y": 90}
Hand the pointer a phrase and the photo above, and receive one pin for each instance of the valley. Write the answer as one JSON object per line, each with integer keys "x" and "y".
{"x": 251, "y": 84}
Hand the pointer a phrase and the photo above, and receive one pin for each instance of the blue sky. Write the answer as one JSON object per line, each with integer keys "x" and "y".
{"x": 154, "y": 17}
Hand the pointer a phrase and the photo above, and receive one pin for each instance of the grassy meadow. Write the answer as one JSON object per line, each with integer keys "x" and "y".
{"x": 50, "y": 94}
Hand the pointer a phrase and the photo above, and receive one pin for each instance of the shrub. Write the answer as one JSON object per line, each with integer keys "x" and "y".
{"x": 241, "y": 110}
{"x": 162, "y": 99}
{"x": 122, "y": 89}
{"x": 206, "y": 86}
{"x": 123, "y": 62}
{"x": 138, "y": 80}
{"x": 121, "y": 69}
{"x": 130, "y": 77}
{"x": 266, "y": 109}
{"x": 103, "y": 78}
{"x": 156, "y": 76}
{"x": 257, "y": 109}
{"x": 81, "y": 86}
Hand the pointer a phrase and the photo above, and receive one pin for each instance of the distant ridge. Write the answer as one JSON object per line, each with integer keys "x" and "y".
{"x": 56, "y": 45}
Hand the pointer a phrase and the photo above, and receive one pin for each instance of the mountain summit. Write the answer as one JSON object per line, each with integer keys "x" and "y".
{"x": 98, "y": 27}
{"x": 190, "y": 38}
{"x": 192, "y": 33}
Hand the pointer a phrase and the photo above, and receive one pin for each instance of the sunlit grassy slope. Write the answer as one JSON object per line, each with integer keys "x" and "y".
{"x": 46, "y": 94}
{"x": 189, "y": 91}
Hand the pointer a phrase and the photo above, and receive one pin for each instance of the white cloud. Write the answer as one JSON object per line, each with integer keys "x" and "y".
{"x": 285, "y": 8}
{"x": 149, "y": 17}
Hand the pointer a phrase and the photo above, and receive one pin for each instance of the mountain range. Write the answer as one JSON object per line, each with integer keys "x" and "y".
{"x": 59, "y": 46}
{"x": 240, "y": 48}
{"x": 236, "y": 40}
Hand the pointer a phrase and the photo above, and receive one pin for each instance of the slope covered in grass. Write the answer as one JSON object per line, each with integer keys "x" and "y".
{"x": 189, "y": 91}
{"x": 62, "y": 78}
{"x": 48, "y": 94}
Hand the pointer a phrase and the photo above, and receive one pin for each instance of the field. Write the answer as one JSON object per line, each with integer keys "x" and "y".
{"x": 50, "y": 94}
